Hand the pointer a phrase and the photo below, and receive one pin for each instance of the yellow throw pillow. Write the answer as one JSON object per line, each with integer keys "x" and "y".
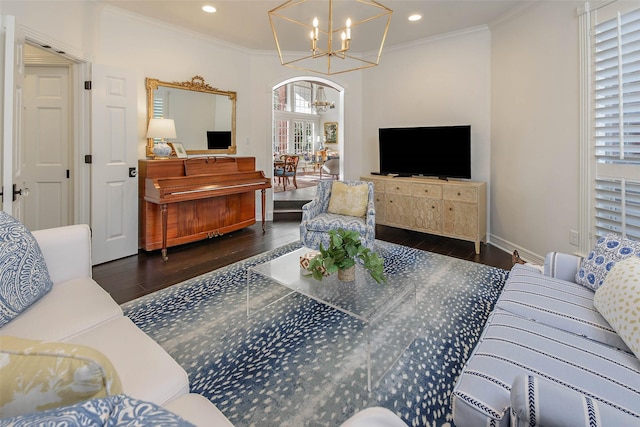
{"x": 348, "y": 199}
{"x": 618, "y": 301}
{"x": 37, "y": 375}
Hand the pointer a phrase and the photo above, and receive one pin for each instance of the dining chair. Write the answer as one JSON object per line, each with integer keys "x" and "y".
{"x": 287, "y": 170}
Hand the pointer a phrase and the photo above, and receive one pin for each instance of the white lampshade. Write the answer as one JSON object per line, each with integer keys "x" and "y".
{"x": 161, "y": 128}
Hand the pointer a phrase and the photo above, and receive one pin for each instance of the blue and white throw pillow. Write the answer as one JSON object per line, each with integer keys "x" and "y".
{"x": 24, "y": 277}
{"x": 607, "y": 251}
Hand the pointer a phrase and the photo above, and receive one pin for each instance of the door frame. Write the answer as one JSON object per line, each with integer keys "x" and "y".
{"x": 80, "y": 71}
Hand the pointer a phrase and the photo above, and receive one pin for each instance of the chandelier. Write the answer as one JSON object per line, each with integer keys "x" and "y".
{"x": 320, "y": 104}
{"x": 308, "y": 38}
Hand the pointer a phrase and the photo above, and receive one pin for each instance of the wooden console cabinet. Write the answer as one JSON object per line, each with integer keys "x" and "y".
{"x": 447, "y": 208}
{"x": 184, "y": 200}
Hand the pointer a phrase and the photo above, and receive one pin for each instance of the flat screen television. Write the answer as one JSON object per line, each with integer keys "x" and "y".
{"x": 435, "y": 151}
{"x": 218, "y": 139}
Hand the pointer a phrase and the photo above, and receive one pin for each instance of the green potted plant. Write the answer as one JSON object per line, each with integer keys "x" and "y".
{"x": 344, "y": 250}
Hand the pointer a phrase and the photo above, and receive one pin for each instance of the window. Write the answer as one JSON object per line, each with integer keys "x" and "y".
{"x": 302, "y": 92}
{"x": 615, "y": 53}
{"x": 281, "y": 140}
{"x": 296, "y": 123}
{"x": 280, "y": 99}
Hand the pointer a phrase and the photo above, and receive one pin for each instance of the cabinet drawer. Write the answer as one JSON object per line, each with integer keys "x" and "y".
{"x": 398, "y": 187}
{"x": 462, "y": 194}
{"x": 432, "y": 191}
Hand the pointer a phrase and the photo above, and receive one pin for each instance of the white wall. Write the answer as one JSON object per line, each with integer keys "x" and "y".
{"x": 535, "y": 129}
{"x": 443, "y": 81}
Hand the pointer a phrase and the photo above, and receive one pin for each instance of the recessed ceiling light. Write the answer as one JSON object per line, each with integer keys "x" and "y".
{"x": 209, "y": 9}
{"x": 415, "y": 17}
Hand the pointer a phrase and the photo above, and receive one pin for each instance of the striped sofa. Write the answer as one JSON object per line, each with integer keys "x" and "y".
{"x": 547, "y": 357}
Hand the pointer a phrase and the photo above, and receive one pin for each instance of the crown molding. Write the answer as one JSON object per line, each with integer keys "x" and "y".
{"x": 432, "y": 39}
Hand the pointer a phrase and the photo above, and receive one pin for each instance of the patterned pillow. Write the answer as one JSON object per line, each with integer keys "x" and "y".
{"x": 42, "y": 375}
{"x": 618, "y": 301}
{"x": 607, "y": 251}
{"x": 348, "y": 200}
{"x": 24, "y": 277}
{"x": 120, "y": 410}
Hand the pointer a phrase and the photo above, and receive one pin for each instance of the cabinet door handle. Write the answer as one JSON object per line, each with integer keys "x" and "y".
{"x": 459, "y": 194}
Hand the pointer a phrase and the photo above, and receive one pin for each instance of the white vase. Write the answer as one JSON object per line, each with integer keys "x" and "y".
{"x": 161, "y": 150}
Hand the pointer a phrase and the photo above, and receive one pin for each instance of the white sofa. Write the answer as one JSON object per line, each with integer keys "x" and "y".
{"x": 77, "y": 310}
{"x": 547, "y": 357}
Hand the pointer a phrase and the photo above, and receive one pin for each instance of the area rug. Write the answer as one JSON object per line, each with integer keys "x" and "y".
{"x": 303, "y": 181}
{"x": 298, "y": 362}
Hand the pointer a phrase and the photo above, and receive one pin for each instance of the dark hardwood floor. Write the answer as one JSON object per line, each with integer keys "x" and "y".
{"x": 132, "y": 277}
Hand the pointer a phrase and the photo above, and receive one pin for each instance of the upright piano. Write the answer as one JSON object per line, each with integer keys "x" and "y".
{"x": 184, "y": 200}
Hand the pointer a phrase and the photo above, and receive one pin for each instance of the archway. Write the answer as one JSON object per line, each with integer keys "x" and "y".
{"x": 299, "y": 128}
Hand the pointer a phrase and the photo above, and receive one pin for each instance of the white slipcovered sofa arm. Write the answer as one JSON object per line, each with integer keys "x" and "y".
{"x": 66, "y": 250}
{"x": 539, "y": 402}
{"x": 374, "y": 417}
{"x": 562, "y": 266}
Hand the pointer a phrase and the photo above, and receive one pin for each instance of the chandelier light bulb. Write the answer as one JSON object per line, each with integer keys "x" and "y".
{"x": 315, "y": 27}
{"x": 348, "y": 35}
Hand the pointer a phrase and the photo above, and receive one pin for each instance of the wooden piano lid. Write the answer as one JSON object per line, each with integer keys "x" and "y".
{"x": 210, "y": 165}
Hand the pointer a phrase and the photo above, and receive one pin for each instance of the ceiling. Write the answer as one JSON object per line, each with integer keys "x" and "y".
{"x": 245, "y": 23}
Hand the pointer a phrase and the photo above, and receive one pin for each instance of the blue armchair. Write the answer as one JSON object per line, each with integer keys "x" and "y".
{"x": 316, "y": 221}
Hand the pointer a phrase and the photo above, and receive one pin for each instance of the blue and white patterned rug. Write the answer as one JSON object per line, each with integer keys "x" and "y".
{"x": 298, "y": 362}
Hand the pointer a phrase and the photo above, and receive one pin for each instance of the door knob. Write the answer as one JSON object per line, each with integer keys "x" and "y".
{"x": 20, "y": 192}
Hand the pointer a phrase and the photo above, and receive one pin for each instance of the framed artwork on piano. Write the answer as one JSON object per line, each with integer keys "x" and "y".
{"x": 179, "y": 149}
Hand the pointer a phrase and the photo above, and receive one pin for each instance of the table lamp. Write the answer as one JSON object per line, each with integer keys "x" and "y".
{"x": 161, "y": 129}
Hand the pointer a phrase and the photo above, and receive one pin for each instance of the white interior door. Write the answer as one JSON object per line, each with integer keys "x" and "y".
{"x": 12, "y": 109}
{"x": 114, "y": 183}
{"x": 47, "y": 164}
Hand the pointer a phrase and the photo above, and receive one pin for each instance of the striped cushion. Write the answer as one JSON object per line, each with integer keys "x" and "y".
{"x": 557, "y": 303}
{"x": 511, "y": 346}
{"x": 562, "y": 266}
{"x": 538, "y": 402}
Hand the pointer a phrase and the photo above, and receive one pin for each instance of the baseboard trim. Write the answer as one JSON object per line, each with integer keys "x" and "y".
{"x": 509, "y": 247}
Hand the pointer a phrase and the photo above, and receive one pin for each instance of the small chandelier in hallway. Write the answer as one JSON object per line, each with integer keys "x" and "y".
{"x": 320, "y": 104}
{"x": 334, "y": 46}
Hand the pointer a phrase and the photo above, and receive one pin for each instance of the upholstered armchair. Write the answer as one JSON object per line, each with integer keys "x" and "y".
{"x": 321, "y": 215}
{"x": 332, "y": 168}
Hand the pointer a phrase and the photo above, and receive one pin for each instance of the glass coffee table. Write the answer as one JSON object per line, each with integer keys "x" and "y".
{"x": 387, "y": 310}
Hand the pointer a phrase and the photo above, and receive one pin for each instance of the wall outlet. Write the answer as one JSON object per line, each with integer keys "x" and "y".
{"x": 573, "y": 237}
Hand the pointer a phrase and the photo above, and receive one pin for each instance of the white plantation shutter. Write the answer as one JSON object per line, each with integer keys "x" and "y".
{"x": 616, "y": 124}
{"x": 618, "y": 207}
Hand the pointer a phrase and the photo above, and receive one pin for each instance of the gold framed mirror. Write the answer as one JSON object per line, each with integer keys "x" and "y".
{"x": 204, "y": 116}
